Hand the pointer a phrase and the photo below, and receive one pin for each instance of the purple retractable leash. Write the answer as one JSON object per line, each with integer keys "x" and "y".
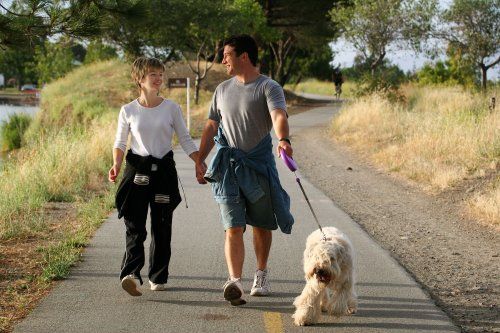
{"x": 290, "y": 163}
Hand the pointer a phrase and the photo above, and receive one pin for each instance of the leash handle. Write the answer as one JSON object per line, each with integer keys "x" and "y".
{"x": 289, "y": 162}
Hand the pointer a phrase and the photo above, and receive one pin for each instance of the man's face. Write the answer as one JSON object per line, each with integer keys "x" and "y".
{"x": 231, "y": 60}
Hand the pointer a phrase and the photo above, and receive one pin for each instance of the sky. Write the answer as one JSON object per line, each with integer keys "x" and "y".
{"x": 406, "y": 60}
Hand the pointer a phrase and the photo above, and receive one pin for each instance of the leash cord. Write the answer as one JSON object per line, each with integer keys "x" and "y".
{"x": 184, "y": 193}
{"x": 310, "y": 207}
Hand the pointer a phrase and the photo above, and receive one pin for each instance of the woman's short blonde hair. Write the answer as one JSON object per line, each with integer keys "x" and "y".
{"x": 142, "y": 66}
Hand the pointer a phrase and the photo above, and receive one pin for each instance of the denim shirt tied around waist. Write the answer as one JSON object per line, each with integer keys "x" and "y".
{"x": 232, "y": 170}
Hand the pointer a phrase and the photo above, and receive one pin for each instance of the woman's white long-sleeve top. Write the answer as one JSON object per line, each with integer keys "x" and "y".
{"x": 152, "y": 129}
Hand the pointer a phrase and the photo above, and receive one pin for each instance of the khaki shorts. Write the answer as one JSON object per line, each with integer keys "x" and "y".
{"x": 259, "y": 214}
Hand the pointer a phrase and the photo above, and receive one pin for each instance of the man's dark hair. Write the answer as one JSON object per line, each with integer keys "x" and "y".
{"x": 244, "y": 43}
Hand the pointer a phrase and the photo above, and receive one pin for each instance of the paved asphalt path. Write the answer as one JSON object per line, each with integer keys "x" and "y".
{"x": 91, "y": 299}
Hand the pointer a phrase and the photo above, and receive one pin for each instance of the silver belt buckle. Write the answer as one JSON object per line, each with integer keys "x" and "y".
{"x": 154, "y": 167}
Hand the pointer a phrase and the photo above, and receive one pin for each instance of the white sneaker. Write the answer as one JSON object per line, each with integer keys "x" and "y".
{"x": 158, "y": 286}
{"x": 261, "y": 285}
{"x": 129, "y": 284}
{"x": 233, "y": 291}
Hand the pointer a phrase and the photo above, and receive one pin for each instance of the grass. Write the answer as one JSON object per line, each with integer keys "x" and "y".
{"x": 58, "y": 258}
{"x": 12, "y": 131}
{"x": 10, "y": 91}
{"x": 314, "y": 86}
{"x": 440, "y": 137}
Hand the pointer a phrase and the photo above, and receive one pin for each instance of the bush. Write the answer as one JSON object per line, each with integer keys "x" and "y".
{"x": 12, "y": 131}
{"x": 384, "y": 85}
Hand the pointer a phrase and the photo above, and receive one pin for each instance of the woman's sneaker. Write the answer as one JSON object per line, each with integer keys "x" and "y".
{"x": 158, "y": 286}
{"x": 129, "y": 284}
{"x": 261, "y": 285}
{"x": 233, "y": 291}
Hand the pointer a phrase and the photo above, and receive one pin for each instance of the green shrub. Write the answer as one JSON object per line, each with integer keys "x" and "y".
{"x": 12, "y": 131}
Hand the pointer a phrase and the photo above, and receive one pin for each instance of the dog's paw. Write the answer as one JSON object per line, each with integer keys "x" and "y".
{"x": 352, "y": 310}
{"x": 301, "y": 322}
{"x": 337, "y": 310}
{"x": 300, "y": 318}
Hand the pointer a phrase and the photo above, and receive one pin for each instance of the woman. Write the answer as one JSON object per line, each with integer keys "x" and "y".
{"x": 150, "y": 177}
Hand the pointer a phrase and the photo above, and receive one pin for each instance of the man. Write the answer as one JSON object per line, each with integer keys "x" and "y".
{"x": 337, "y": 79}
{"x": 243, "y": 173}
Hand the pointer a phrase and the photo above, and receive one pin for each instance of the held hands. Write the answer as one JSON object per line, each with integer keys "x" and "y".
{"x": 113, "y": 173}
{"x": 201, "y": 168}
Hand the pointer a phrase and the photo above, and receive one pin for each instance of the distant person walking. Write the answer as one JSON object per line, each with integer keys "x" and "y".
{"x": 338, "y": 80}
{"x": 150, "y": 177}
{"x": 243, "y": 172}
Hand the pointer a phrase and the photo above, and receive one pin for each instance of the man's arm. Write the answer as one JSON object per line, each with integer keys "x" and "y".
{"x": 206, "y": 145}
{"x": 280, "y": 125}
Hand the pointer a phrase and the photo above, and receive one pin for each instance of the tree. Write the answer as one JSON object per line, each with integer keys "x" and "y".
{"x": 235, "y": 16}
{"x": 133, "y": 36}
{"x": 199, "y": 39}
{"x": 296, "y": 27}
{"x": 97, "y": 50}
{"x": 18, "y": 64}
{"x": 374, "y": 27}
{"x": 201, "y": 36}
{"x": 474, "y": 30}
{"x": 313, "y": 63}
{"x": 26, "y": 21}
{"x": 456, "y": 69}
{"x": 53, "y": 60}
{"x": 434, "y": 73}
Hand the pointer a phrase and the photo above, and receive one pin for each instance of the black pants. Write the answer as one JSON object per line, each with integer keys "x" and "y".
{"x": 159, "y": 249}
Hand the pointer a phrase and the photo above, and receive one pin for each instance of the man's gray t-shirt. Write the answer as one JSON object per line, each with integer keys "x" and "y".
{"x": 244, "y": 109}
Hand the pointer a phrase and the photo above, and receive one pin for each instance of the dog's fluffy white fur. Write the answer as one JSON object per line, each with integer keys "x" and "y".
{"x": 328, "y": 265}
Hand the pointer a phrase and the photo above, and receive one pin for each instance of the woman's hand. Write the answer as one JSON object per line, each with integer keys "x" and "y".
{"x": 113, "y": 173}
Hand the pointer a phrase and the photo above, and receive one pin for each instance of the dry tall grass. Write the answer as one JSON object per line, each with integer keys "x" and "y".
{"x": 440, "y": 137}
{"x": 327, "y": 88}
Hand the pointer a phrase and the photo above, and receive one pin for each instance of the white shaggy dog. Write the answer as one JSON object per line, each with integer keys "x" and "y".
{"x": 327, "y": 265}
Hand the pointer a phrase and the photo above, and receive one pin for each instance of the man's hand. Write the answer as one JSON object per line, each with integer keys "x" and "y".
{"x": 201, "y": 168}
{"x": 286, "y": 147}
{"x": 113, "y": 173}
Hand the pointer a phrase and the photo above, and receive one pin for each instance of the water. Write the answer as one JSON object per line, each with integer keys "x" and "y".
{"x": 10, "y": 106}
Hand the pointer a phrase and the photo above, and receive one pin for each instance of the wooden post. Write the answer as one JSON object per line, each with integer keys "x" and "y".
{"x": 188, "y": 112}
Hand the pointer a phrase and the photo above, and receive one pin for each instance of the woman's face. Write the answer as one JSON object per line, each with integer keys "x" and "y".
{"x": 153, "y": 80}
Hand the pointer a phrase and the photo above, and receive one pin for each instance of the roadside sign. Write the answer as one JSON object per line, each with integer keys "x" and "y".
{"x": 180, "y": 82}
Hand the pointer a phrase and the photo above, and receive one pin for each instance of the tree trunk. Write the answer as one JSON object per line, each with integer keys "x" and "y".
{"x": 484, "y": 80}
{"x": 377, "y": 62}
{"x": 297, "y": 82}
{"x": 196, "y": 88}
{"x": 287, "y": 72}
